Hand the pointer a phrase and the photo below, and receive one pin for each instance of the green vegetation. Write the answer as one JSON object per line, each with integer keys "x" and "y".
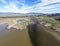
{"x": 24, "y": 23}
{"x": 50, "y": 20}
{"x": 11, "y": 20}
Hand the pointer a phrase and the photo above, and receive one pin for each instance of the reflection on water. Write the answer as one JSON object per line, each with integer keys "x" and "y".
{"x": 3, "y": 28}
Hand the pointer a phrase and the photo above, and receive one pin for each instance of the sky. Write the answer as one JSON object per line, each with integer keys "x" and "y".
{"x": 30, "y": 6}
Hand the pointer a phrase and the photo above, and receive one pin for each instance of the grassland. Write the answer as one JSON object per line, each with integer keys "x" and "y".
{"x": 50, "y": 20}
{"x": 11, "y": 20}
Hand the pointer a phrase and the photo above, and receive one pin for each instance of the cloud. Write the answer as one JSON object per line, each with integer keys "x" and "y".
{"x": 41, "y": 6}
{"x": 12, "y": 7}
{"x": 3, "y": 1}
{"x": 49, "y": 1}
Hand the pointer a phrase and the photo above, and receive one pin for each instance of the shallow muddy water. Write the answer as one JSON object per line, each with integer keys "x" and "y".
{"x": 13, "y": 37}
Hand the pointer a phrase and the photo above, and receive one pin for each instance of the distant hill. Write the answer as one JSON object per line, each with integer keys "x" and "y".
{"x": 18, "y": 14}
{"x": 11, "y": 14}
{"x": 55, "y": 15}
{"x": 27, "y": 14}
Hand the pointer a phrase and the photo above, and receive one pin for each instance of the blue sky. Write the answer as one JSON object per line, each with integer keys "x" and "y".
{"x": 27, "y": 6}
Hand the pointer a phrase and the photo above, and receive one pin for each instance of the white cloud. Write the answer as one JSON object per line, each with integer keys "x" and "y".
{"x": 3, "y": 1}
{"x": 50, "y": 1}
{"x": 11, "y": 7}
{"x": 39, "y": 7}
